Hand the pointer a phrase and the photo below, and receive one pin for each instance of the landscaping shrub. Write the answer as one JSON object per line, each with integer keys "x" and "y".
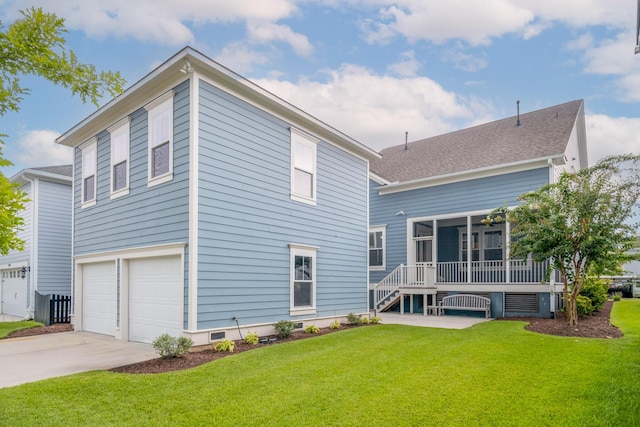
{"x": 224, "y": 345}
{"x": 375, "y": 320}
{"x": 252, "y": 338}
{"x": 284, "y": 328}
{"x": 366, "y": 320}
{"x": 354, "y": 319}
{"x": 584, "y": 306}
{"x": 169, "y": 347}
{"x": 617, "y": 296}
{"x": 596, "y": 290}
{"x": 311, "y": 329}
{"x": 335, "y": 324}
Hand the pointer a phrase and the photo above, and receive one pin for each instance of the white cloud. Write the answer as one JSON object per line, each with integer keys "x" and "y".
{"x": 463, "y": 60}
{"x": 161, "y": 21}
{"x": 407, "y": 66}
{"x": 378, "y": 109}
{"x": 608, "y": 136}
{"x": 240, "y": 57}
{"x": 36, "y": 147}
{"x": 266, "y": 32}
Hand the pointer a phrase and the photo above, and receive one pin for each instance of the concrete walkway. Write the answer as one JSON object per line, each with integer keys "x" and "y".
{"x": 34, "y": 358}
{"x": 445, "y": 322}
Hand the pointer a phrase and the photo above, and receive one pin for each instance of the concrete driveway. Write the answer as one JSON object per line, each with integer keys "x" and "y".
{"x": 39, "y": 357}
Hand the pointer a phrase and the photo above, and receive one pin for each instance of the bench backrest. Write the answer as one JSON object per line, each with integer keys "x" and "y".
{"x": 465, "y": 300}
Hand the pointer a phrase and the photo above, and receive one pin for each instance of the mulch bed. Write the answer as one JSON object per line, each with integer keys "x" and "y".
{"x": 594, "y": 326}
{"x": 41, "y": 330}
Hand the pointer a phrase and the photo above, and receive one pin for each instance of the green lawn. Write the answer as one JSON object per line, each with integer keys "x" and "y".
{"x": 493, "y": 374}
{"x": 7, "y": 327}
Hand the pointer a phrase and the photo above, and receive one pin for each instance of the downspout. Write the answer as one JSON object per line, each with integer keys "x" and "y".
{"x": 552, "y": 282}
{"x": 32, "y": 264}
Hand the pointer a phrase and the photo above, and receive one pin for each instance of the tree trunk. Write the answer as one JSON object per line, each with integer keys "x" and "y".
{"x": 572, "y": 310}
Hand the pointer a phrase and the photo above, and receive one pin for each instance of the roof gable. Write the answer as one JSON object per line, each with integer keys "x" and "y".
{"x": 541, "y": 134}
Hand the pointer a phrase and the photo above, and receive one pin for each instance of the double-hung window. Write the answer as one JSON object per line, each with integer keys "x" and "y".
{"x": 89, "y": 168}
{"x": 303, "y": 168}
{"x": 377, "y": 248}
{"x": 119, "y": 158}
{"x": 160, "y": 128}
{"x": 303, "y": 279}
{"x": 493, "y": 245}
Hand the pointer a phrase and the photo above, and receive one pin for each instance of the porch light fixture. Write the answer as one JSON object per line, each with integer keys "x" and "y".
{"x": 400, "y": 213}
{"x": 23, "y": 272}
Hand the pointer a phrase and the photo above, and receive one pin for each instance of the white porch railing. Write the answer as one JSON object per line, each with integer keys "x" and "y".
{"x": 513, "y": 271}
{"x": 421, "y": 275}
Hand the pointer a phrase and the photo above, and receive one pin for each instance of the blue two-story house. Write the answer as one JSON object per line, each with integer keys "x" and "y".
{"x": 428, "y": 199}
{"x": 203, "y": 204}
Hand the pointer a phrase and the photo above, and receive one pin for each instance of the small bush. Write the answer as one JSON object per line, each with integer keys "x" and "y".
{"x": 596, "y": 290}
{"x": 252, "y": 338}
{"x": 284, "y": 328}
{"x": 224, "y": 345}
{"x": 354, "y": 319}
{"x": 169, "y": 347}
{"x": 366, "y": 320}
{"x": 617, "y": 296}
{"x": 584, "y": 306}
{"x": 375, "y": 320}
{"x": 335, "y": 324}
{"x": 311, "y": 329}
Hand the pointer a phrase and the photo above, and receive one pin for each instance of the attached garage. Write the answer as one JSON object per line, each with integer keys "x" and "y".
{"x": 155, "y": 297}
{"x": 14, "y": 293}
{"x": 99, "y": 297}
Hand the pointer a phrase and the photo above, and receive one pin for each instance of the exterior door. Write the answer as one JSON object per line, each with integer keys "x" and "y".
{"x": 14, "y": 293}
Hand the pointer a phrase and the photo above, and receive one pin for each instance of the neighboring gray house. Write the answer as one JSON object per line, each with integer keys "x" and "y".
{"x": 45, "y": 263}
{"x": 203, "y": 202}
{"x": 427, "y": 201}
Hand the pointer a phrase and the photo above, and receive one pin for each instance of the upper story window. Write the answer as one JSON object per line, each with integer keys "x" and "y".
{"x": 89, "y": 168}
{"x": 120, "y": 158}
{"x": 160, "y": 151}
{"x": 303, "y": 279}
{"x": 303, "y": 168}
{"x": 377, "y": 247}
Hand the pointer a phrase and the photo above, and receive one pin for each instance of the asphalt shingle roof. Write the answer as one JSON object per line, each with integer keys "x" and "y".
{"x": 542, "y": 133}
{"x": 66, "y": 170}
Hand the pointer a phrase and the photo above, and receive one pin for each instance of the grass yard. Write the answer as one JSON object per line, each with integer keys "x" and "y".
{"x": 7, "y": 327}
{"x": 493, "y": 374}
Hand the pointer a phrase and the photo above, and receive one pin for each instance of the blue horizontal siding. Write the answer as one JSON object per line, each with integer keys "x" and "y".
{"x": 146, "y": 216}
{"x": 247, "y": 218}
{"x": 480, "y": 194}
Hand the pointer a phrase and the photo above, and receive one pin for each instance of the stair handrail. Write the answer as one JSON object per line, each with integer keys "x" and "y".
{"x": 390, "y": 284}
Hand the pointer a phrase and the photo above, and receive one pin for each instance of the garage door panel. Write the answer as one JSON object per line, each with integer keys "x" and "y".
{"x": 14, "y": 293}
{"x": 155, "y": 298}
{"x": 99, "y": 298}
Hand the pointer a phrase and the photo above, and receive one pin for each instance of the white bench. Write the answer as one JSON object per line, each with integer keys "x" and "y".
{"x": 465, "y": 302}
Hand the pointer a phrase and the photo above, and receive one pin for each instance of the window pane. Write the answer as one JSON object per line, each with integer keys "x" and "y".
{"x": 303, "y": 185}
{"x": 423, "y": 229}
{"x": 375, "y": 240}
{"x": 303, "y": 157}
{"x": 88, "y": 162}
{"x": 493, "y": 255}
{"x": 120, "y": 176}
{"x": 119, "y": 147}
{"x": 160, "y": 126}
{"x": 89, "y": 191}
{"x": 160, "y": 160}
{"x": 375, "y": 257}
{"x": 303, "y": 268}
{"x": 302, "y": 292}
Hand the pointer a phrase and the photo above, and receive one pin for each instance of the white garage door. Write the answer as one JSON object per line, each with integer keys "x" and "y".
{"x": 99, "y": 302}
{"x": 155, "y": 298}
{"x": 14, "y": 293}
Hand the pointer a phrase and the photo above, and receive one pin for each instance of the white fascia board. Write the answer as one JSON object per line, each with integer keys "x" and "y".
{"x": 169, "y": 74}
{"x": 397, "y": 187}
{"x": 377, "y": 178}
{"x": 45, "y": 176}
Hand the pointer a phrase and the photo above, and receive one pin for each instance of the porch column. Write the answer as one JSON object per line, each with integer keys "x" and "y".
{"x": 434, "y": 253}
{"x": 507, "y": 229}
{"x": 469, "y": 245}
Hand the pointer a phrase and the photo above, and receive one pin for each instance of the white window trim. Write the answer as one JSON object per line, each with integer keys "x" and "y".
{"x": 299, "y": 137}
{"x": 308, "y": 251}
{"x": 153, "y": 108}
{"x": 375, "y": 229}
{"x": 90, "y": 145}
{"x": 121, "y": 127}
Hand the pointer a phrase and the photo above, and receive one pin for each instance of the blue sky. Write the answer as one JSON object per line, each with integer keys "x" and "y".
{"x": 370, "y": 68}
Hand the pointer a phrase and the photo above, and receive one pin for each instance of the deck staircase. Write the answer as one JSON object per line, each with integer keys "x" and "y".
{"x": 405, "y": 279}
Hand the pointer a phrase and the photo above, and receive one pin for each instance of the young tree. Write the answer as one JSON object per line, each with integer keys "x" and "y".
{"x": 579, "y": 221}
{"x": 34, "y": 45}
